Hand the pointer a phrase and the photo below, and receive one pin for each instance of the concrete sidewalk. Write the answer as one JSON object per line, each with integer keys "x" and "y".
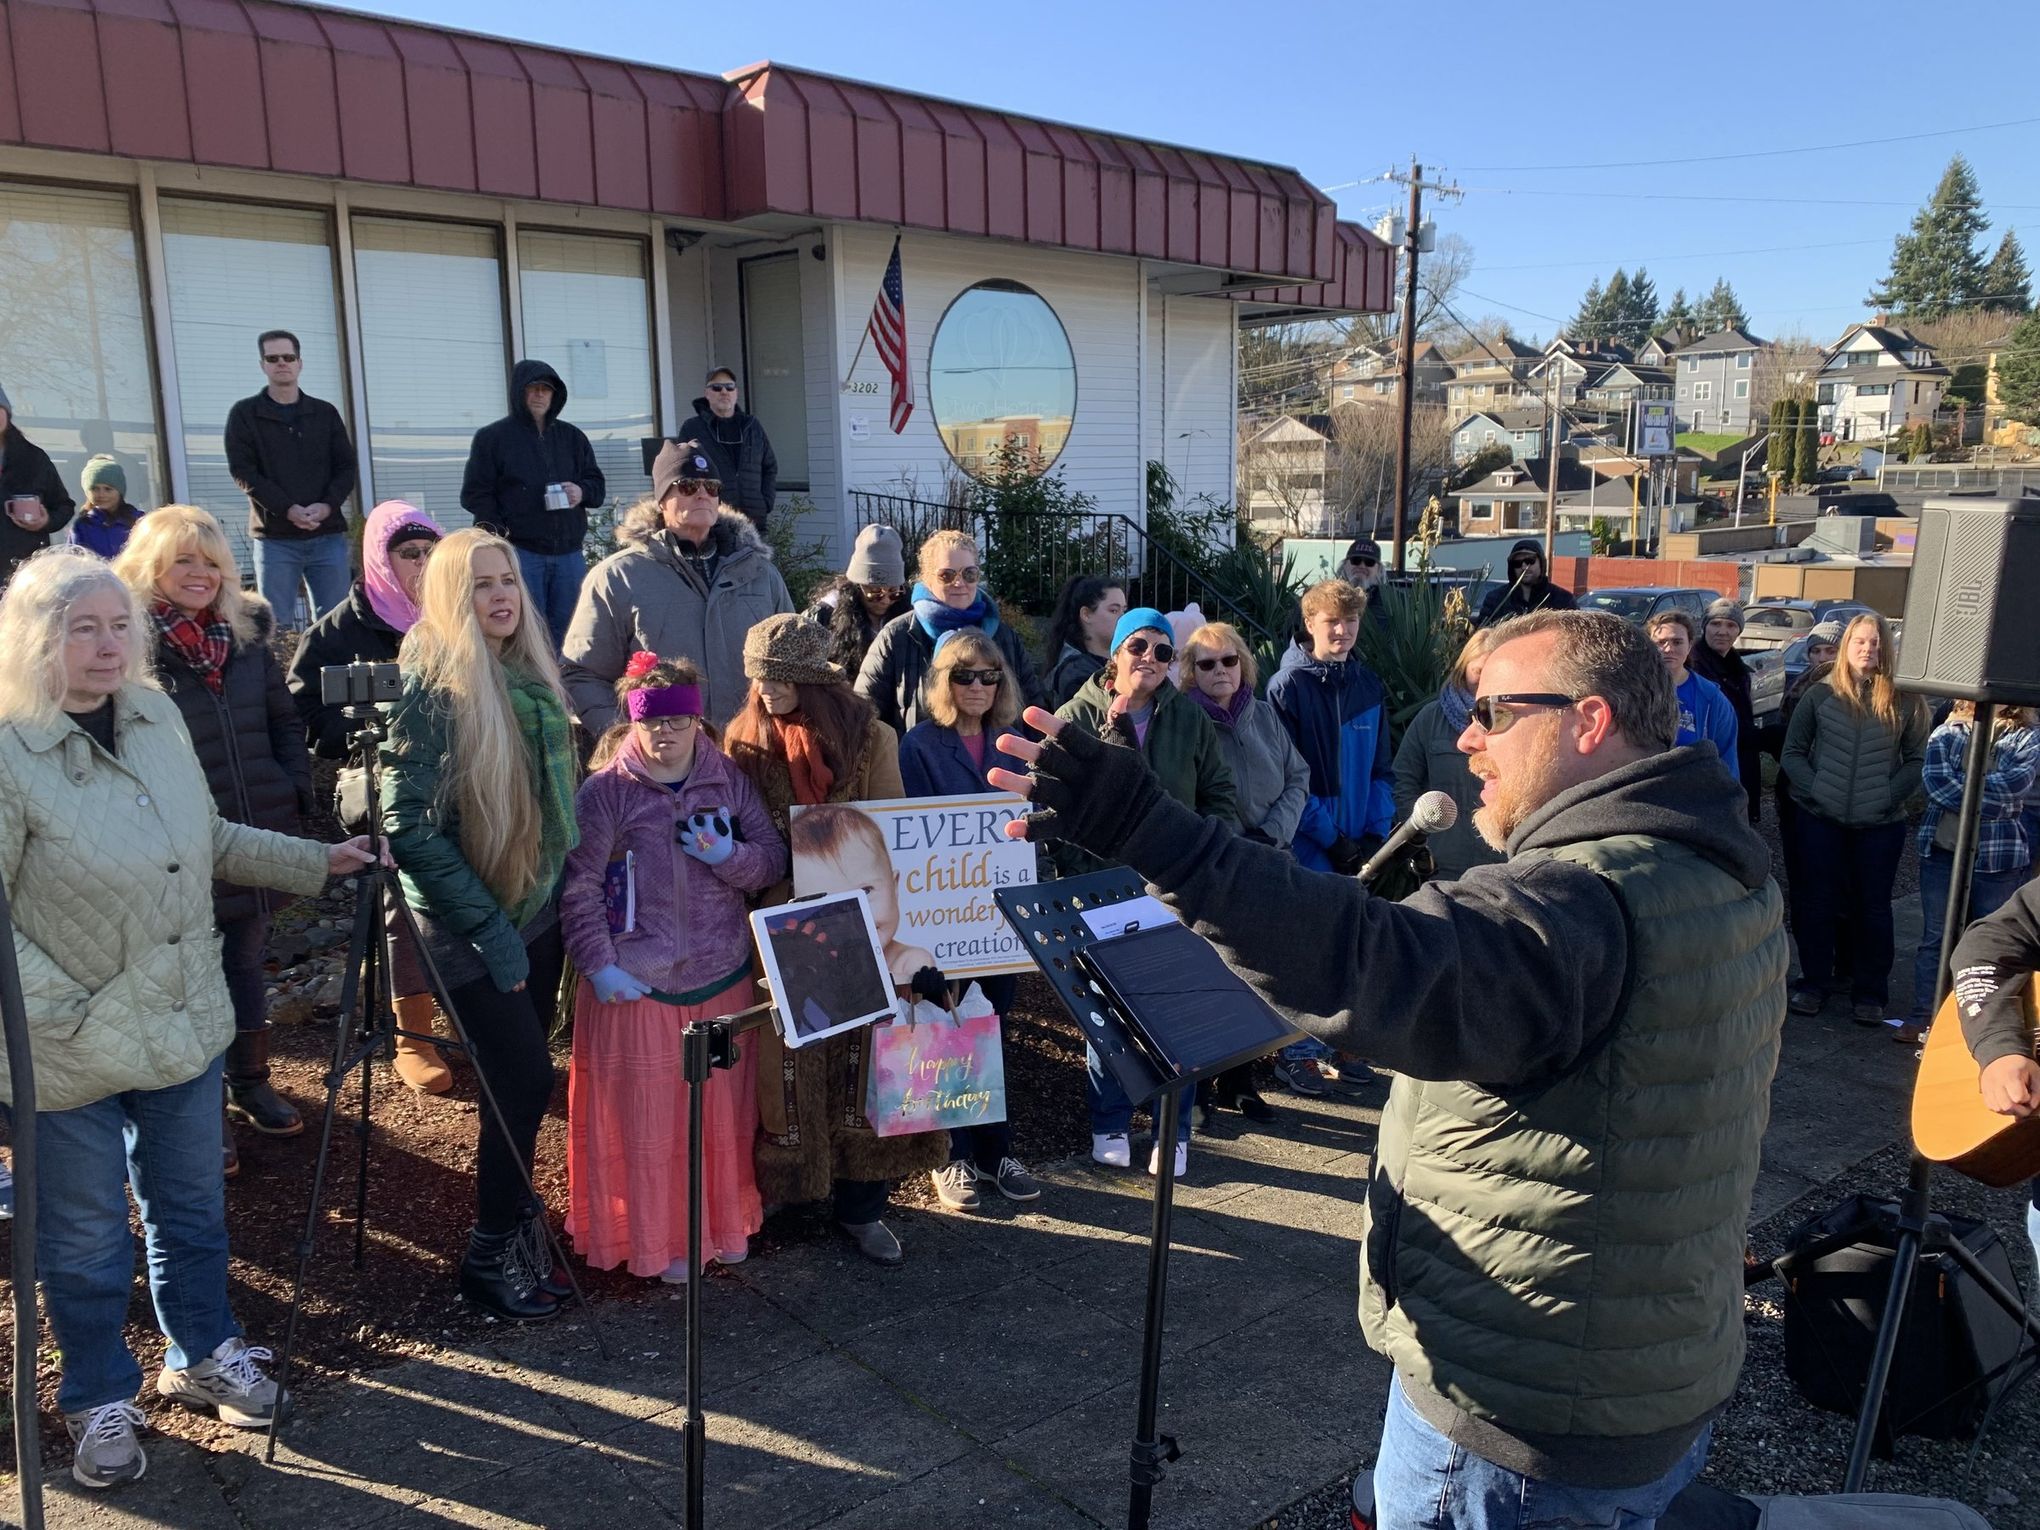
{"x": 989, "y": 1382}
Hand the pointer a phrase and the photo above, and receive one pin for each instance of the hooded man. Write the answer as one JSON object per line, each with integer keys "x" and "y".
{"x": 1529, "y": 588}
{"x": 738, "y": 446}
{"x": 32, "y": 499}
{"x": 531, "y": 478}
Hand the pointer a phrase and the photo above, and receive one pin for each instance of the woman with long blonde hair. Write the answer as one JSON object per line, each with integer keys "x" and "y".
{"x": 478, "y": 802}
{"x": 209, "y": 645}
{"x": 1853, "y": 757}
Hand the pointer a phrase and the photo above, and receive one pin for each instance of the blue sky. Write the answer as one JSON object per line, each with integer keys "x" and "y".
{"x": 1478, "y": 90}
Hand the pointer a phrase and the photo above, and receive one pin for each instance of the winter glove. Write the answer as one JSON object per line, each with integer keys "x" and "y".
{"x": 1404, "y": 874}
{"x": 930, "y": 984}
{"x": 1349, "y": 855}
{"x": 707, "y": 837}
{"x": 613, "y": 985}
{"x": 1091, "y": 792}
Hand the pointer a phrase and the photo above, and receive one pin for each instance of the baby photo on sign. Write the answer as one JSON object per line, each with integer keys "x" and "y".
{"x": 824, "y": 965}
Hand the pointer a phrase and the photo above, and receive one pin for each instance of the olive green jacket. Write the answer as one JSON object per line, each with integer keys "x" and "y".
{"x": 1850, "y": 767}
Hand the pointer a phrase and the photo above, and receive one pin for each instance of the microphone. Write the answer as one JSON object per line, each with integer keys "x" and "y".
{"x": 1432, "y": 813}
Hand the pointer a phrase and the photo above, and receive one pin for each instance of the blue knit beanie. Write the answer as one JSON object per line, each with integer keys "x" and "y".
{"x": 1140, "y": 619}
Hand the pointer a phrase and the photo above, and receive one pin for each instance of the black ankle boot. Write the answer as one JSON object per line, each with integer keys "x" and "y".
{"x": 496, "y": 1277}
{"x": 537, "y": 1249}
{"x": 248, "y": 1091}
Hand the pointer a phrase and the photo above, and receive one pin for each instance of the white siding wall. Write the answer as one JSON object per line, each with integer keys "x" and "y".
{"x": 1198, "y": 394}
{"x": 824, "y": 376}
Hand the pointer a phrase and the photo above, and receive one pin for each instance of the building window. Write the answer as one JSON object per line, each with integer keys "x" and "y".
{"x": 1874, "y": 390}
{"x": 433, "y": 351}
{"x": 1742, "y": 361}
{"x": 1825, "y": 393}
{"x": 1000, "y": 366}
{"x": 1703, "y": 390}
{"x": 1488, "y": 437}
{"x": 234, "y": 270}
{"x": 74, "y": 346}
{"x": 1742, "y": 387}
{"x": 1682, "y": 390}
{"x": 587, "y": 313}
{"x": 775, "y": 360}
{"x": 1690, "y": 364}
{"x": 1346, "y": 392}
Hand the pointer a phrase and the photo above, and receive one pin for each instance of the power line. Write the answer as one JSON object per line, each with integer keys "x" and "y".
{"x": 1818, "y": 148}
{"x": 1676, "y": 196}
{"x": 1660, "y": 260}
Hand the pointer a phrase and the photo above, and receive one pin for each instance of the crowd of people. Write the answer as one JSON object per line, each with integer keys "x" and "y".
{"x": 595, "y": 771}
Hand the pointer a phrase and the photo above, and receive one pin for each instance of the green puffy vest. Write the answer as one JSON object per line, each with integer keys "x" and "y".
{"x": 1567, "y": 1259}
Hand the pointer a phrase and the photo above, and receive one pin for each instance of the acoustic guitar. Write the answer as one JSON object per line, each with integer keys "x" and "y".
{"x": 1951, "y": 1124}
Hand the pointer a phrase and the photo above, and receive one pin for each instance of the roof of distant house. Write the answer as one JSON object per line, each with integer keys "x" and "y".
{"x": 1495, "y": 352}
{"x": 1730, "y": 339}
{"x": 1508, "y": 419}
{"x": 1898, "y": 343}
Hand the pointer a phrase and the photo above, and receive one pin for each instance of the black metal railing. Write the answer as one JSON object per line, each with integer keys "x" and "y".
{"x": 1029, "y": 555}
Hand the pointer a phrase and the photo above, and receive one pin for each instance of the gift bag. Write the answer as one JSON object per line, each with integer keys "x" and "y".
{"x": 933, "y": 1069}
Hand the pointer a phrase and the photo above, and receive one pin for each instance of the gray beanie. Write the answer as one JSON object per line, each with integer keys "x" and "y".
{"x": 1829, "y": 632}
{"x": 1726, "y": 609}
{"x": 103, "y": 469}
{"x": 877, "y": 558}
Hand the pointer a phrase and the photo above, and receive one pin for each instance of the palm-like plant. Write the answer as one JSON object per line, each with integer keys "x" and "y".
{"x": 1413, "y": 645}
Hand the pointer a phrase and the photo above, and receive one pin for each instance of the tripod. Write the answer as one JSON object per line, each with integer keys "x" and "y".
{"x": 366, "y": 1003}
{"x": 21, "y": 1240}
{"x": 1912, "y": 1224}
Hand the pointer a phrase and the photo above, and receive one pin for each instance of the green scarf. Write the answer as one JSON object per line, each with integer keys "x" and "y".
{"x": 549, "y": 751}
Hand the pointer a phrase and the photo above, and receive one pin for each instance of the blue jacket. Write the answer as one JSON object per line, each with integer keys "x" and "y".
{"x": 1338, "y": 716}
{"x": 934, "y": 763}
{"x": 105, "y": 531}
{"x": 1705, "y": 712}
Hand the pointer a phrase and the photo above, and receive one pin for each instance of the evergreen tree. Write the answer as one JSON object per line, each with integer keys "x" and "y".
{"x": 1720, "y": 309}
{"x": 2007, "y": 284}
{"x": 1806, "y": 455}
{"x": 2018, "y": 371}
{"x": 1935, "y": 267}
{"x": 1679, "y": 312}
{"x": 1641, "y": 318}
{"x": 1591, "y": 314}
{"x": 1615, "y": 299}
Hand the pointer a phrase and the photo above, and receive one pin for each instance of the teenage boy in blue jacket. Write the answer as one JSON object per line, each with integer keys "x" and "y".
{"x": 1704, "y": 712}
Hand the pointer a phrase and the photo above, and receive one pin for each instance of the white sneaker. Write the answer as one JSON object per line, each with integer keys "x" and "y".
{"x": 676, "y": 1273}
{"x": 105, "y": 1450}
{"x": 232, "y": 1384}
{"x": 1182, "y": 1159}
{"x": 1111, "y": 1149}
{"x": 735, "y": 1255}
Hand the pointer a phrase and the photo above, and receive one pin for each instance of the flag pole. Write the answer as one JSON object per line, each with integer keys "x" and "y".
{"x": 862, "y": 340}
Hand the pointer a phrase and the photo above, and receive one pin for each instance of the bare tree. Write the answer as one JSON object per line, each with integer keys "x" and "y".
{"x": 1439, "y": 276}
{"x": 1360, "y": 468}
{"x": 1785, "y": 369}
{"x": 1284, "y": 468}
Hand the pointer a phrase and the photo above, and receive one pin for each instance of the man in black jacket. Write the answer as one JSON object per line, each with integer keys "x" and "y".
{"x": 531, "y": 478}
{"x": 32, "y": 499}
{"x": 292, "y": 455}
{"x": 736, "y": 443}
{"x": 1992, "y": 969}
{"x": 1529, "y": 588}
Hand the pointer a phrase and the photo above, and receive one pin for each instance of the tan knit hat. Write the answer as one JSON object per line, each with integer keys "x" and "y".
{"x": 790, "y": 648}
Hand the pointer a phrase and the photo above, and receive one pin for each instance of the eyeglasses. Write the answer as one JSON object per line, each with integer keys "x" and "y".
{"x": 668, "y": 724}
{"x": 1140, "y": 648}
{"x": 722, "y": 387}
{"x": 969, "y": 575}
{"x": 993, "y": 677}
{"x": 277, "y": 361}
{"x": 1517, "y": 565}
{"x": 692, "y": 486}
{"x": 415, "y": 552}
{"x": 1229, "y": 660}
{"x": 1492, "y": 721}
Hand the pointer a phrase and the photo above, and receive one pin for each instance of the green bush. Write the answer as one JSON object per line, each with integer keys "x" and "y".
{"x": 1034, "y": 532}
{"x": 1412, "y": 647}
{"x": 802, "y": 557}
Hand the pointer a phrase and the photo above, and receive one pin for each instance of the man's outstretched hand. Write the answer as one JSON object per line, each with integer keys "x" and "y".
{"x": 1084, "y": 789}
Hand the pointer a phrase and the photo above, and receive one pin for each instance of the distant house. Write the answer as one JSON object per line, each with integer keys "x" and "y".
{"x": 1877, "y": 380}
{"x": 1657, "y": 350}
{"x": 1512, "y": 500}
{"x": 1494, "y": 374}
{"x": 1568, "y": 366}
{"x": 1282, "y": 475}
{"x": 1615, "y": 389}
{"x": 1520, "y": 430}
{"x": 1372, "y": 374}
{"x": 1712, "y": 378}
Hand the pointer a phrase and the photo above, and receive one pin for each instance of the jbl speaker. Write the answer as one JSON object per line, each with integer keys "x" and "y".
{"x": 1972, "y": 620}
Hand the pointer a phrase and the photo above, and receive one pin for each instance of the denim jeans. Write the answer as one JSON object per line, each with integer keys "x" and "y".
{"x": 1846, "y": 875}
{"x": 554, "y": 583}
{"x": 1111, "y": 1111}
{"x": 1422, "y": 1481}
{"x": 320, "y": 564}
{"x": 165, "y": 1144}
{"x": 241, "y": 946}
{"x": 1989, "y": 891}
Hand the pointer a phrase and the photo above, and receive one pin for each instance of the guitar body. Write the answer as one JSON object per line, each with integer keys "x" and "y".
{"x": 1950, "y": 1123}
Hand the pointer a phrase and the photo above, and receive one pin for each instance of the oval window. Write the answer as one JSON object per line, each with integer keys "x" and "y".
{"x": 1002, "y": 381}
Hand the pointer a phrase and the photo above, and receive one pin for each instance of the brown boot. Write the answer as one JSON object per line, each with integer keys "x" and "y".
{"x": 418, "y": 1062}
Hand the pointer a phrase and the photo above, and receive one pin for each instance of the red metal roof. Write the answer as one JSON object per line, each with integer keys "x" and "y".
{"x": 263, "y": 85}
{"x": 1365, "y": 282}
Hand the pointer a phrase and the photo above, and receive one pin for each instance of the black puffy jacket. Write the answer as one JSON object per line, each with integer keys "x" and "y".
{"x": 350, "y": 633}
{"x": 511, "y": 462}
{"x": 742, "y": 453}
{"x": 251, "y": 744}
{"x": 25, "y": 468}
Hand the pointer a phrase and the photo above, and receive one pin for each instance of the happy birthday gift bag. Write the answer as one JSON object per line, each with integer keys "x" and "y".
{"x": 930, "y": 1072}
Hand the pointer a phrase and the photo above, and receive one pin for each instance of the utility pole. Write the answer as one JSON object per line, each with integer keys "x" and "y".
{"x": 1551, "y": 476}
{"x": 1406, "y": 348}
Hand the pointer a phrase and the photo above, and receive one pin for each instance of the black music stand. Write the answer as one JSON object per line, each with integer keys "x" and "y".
{"x": 1130, "y": 1027}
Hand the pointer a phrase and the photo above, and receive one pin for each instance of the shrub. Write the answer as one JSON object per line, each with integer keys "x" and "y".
{"x": 802, "y": 557}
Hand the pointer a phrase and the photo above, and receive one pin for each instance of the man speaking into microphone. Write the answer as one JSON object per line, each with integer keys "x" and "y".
{"x": 1584, "y": 1037}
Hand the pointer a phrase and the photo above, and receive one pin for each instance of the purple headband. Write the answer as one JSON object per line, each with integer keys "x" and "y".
{"x": 664, "y": 701}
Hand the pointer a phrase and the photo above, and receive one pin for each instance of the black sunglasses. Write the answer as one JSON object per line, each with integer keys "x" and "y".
{"x": 1365, "y": 562}
{"x": 1140, "y": 648}
{"x": 699, "y": 486}
{"x": 993, "y": 677}
{"x": 1229, "y": 660}
{"x": 278, "y": 360}
{"x": 722, "y": 387}
{"x": 1492, "y": 721}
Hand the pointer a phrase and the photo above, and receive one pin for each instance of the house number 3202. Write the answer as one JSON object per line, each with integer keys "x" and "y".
{"x": 860, "y": 387}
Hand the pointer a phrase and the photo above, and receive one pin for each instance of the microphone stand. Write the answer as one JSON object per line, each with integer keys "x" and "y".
{"x": 21, "y": 1240}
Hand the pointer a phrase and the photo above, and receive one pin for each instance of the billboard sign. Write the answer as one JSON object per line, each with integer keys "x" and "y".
{"x": 1655, "y": 428}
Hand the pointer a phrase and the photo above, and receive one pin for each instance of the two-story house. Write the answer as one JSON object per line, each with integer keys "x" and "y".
{"x": 1657, "y": 350}
{"x": 1283, "y": 469}
{"x": 1520, "y": 430}
{"x": 1493, "y": 374}
{"x": 1712, "y": 380}
{"x": 1372, "y": 374}
{"x": 1877, "y": 380}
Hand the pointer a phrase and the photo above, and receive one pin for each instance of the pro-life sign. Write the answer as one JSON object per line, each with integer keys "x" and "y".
{"x": 948, "y": 855}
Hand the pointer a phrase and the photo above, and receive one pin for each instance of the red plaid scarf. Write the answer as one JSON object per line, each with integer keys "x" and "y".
{"x": 203, "y": 642}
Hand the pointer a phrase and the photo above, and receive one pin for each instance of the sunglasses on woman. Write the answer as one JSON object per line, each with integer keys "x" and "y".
{"x": 1140, "y": 648}
{"x": 413, "y": 552}
{"x": 885, "y": 592}
{"x": 969, "y": 575}
{"x": 1492, "y": 721}
{"x": 992, "y": 677}
{"x": 1229, "y": 660}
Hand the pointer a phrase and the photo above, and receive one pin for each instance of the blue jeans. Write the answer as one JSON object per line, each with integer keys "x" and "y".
{"x": 165, "y": 1144}
{"x": 1111, "y": 1111}
{"x": 1422, "y": 1481}
{"x": 320, "y": 564}
{"x": 554, "y": 583}
{"x": 1989, "y": 891}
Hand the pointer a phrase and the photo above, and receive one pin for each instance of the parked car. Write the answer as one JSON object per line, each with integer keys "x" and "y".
{"x": 1842, "y": 472}
{"x": 1639, "y": 603}
{"x": 1769, "y": 624}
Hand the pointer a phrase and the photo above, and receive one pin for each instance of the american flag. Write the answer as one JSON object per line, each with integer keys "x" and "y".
{"x": 887, "y": 328}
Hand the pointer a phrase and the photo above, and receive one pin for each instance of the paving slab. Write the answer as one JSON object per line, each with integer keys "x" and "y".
{"x": 975, "y": 1490}
{"x": 585, "y": 1485}
{"x": 180, "y": 1492}
{"x": 1317, "y": 1230}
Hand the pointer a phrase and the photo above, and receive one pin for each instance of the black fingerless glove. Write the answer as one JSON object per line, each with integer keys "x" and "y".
{"x": 930, "y": 984}
{"x": 1091, "y": 792}
{"x": 1349, "y": 855}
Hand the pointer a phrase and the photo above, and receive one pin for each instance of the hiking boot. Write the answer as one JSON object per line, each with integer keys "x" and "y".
{"x": 1301, "y": 1076}
{"x": 105, "y": 1449}
{"x": 418, "y": 1062}
{"x": 1014, "y": 1182}
{"x": 1866, "y": 1013}
{"x": 249, "y": 1095}
{"x": 496, "y": 1276}
{"x": 1352, "y": 1076}
{"x": 956, "y": 1185}
{"x": 231, "y": 1384}
{"x": 1111, "y": 1149}
{"x": 875, "y": 1241}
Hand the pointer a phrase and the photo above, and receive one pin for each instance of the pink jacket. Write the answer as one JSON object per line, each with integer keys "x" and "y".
{"x": 690, "y": 928}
